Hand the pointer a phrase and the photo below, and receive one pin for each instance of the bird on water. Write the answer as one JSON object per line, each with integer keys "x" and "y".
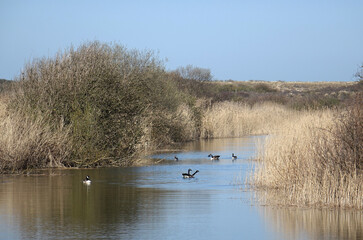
{"x": 176, "y": 158}
{"x": 87, "y": 180}
{"x": 213, "y": 157}
{"x": 189, "y": 175}
{"x": 234, "y": 157}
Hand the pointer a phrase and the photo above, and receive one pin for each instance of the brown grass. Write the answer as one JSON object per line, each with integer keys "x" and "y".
{"x": 232, "y": 119}
{"x": 315, "y": 160}
{"x": 28, "y": 143}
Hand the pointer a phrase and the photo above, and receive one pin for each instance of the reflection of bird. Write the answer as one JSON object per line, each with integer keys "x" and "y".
{"x": 215, "y": 157}
{"x": 87, "y": 180}
{"x": 188, "y": 175}
{"x": 176, "y": 158}
{"x": 234, "y": 157}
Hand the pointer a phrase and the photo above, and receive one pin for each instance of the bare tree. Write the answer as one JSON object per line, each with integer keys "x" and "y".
{"x": 359, "y": 74}
{"x": 195, "y": 73}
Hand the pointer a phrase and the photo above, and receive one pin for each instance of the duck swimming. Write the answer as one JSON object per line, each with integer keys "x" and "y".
{"x": 87, "y": 180}
{"x": 176, "y": 158}
{"x": 234, "y": 157}
{"x": 213, "y": 157}
{"x": 188, "y": 175}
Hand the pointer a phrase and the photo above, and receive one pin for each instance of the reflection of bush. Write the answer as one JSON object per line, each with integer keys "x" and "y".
{"x": 56, "y": 204}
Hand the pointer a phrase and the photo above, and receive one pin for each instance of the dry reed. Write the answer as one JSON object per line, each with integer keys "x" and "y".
{"x": 29, "y": 143}
{"x": 233, "y": 119}
{"x": 309, "y": 163}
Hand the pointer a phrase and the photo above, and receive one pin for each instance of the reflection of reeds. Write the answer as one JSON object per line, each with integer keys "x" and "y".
{"x": 316, "y": 160}
{"x": 293, "y": 223}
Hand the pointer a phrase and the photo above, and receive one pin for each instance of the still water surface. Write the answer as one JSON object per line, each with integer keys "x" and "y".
{"x": 155, "y": 202}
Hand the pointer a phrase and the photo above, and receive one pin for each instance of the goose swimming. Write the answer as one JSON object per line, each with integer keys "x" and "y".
{"x": 188, "y": 175}
{"x": 213, "y": 157}
{"x": 87, "y": 180}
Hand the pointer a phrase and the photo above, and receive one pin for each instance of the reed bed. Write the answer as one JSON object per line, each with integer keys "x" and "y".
{"x": 234, "y": 119}
{"x": 315, "y": 160}
{"x": 29, "y": 142}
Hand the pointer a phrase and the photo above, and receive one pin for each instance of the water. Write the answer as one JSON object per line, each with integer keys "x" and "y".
{"x": 155, "y": 202}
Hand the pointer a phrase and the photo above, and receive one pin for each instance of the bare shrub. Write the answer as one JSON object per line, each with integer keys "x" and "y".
{"x": 342, "y": 146}
{"x": 162, "y": 128}
{"x": 103, "y": 93}
{"x": 192, "y": 85}
{"x": 194, "y": 73}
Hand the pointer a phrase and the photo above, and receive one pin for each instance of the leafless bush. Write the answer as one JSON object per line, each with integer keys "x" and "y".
{"x": 103, "y": 93}
{"x": 194, "y": 73}
{"x": 341, "y": 147}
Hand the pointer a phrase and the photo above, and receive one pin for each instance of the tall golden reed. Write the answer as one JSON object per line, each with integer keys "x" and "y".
{"x": 307, "y": 163}
{"x": 29, "y": 142}
{"x": 311, "y": 157}
{"x": 233, "y": 119}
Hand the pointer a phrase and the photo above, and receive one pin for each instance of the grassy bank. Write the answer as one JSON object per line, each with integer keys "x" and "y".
{"x": 315, "y": 160}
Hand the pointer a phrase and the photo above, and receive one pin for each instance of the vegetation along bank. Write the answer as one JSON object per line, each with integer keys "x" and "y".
{"x": 105, "y": 105}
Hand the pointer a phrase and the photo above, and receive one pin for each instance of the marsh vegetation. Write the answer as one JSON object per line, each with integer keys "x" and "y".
{"x": 105, "y": 105}
{"x": 315, "y": 160}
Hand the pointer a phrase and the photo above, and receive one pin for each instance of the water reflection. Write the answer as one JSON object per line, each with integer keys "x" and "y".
{"x": 119, "y": 203}
{"x": 244, "y": 148}
{"x": 297, "y": 223}
{"x": 44, "y": 205}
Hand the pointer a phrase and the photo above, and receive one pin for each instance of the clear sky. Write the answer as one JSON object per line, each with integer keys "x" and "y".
{"x": 310, "y": 40}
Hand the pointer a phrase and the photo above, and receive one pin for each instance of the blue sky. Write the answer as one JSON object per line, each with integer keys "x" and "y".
{"x": 311, "y": 40}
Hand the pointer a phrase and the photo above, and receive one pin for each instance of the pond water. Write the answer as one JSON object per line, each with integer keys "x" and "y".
{"x": 155, "y": 202}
